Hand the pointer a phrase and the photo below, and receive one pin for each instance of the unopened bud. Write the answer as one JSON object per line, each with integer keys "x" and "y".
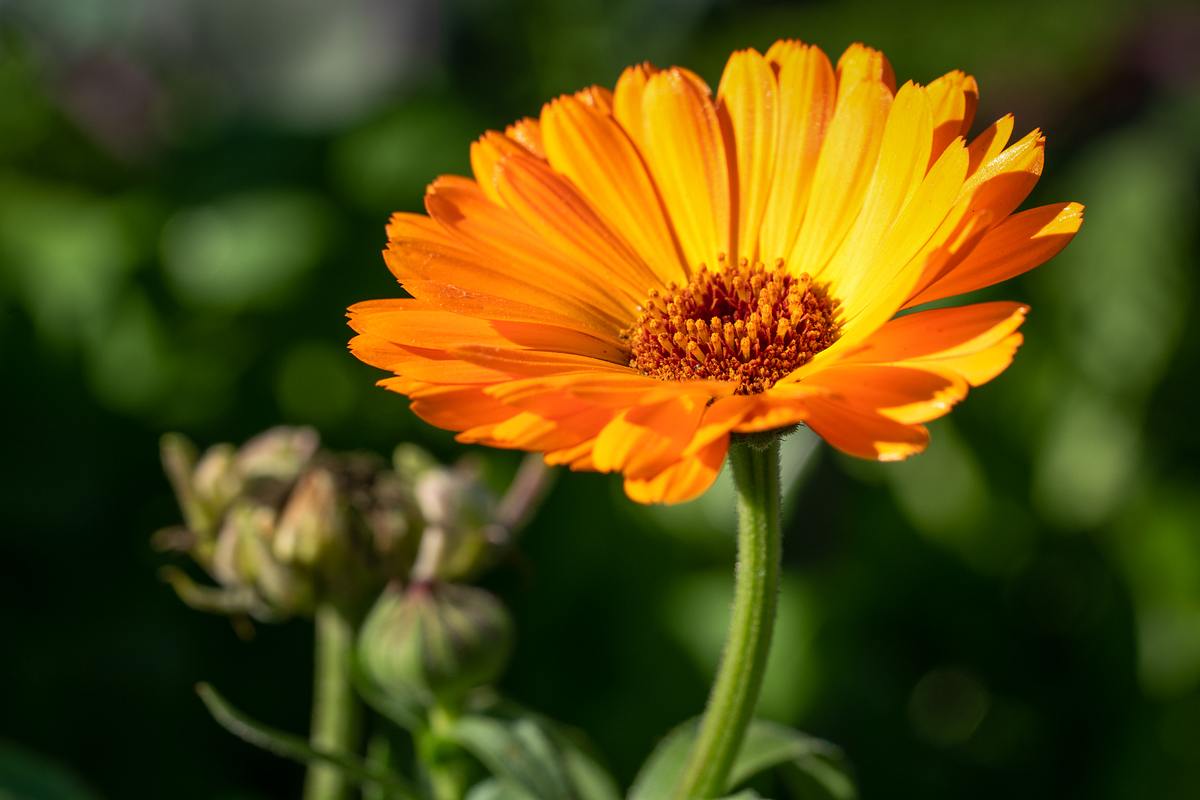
{"x": 311, "y": 523}
{"x": 243, "y": 556}
{"x": 215, "y": 481}
{"x": 458, "y": 511}
{"x": 435, "y": 642}
{"x": 279, "y": 453}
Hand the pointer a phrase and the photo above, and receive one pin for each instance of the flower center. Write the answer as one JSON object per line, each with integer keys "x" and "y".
{"x": 750, "y": 324}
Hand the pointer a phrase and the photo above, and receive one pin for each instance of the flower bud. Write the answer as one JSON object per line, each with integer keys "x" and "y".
{"x": 312, "y": 523}
{"x": 435, "y": 641}
{"x": 458, "y": 510}
{"x": 243, "y": 557}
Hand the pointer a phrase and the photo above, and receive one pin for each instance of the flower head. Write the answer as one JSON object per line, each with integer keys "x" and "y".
{"x": 640, "y": 273}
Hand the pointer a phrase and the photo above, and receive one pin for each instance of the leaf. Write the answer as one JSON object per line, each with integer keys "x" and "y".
{"x": 534, "y": 760}
{"x": 817, "y": 778}
{"x": 494, "y": 789}
{"x": 590, "y": 780}
{"x": 295, "y": 748}
{"x": 518, "y": 753}
{"x": 767, "y": 745}
{"x": 25, "y": 774}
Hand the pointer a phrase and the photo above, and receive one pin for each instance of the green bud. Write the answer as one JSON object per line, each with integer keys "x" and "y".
{"x": 435, "y": 641}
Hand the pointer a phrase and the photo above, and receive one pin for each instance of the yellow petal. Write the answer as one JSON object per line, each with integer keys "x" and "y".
{"x": 843, "y": 173}
{"x": 899, "y": 170}
{"x": 686, "y": 152}
{"x": 953, "y": 99}
{"x": 862, "y": 64}
{"x": 990, "y": 143}
{"x": 747, "y": 102}
{"x": 807, "y": 88}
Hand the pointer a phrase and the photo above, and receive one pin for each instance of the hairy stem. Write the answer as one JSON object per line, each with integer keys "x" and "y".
{"x": 756, "y": 594}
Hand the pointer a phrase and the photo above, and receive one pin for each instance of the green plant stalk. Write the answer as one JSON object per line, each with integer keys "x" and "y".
{"x": 336, "y": 714}
{"x": 756, "y": 594}
{"x": 445, "y": 770}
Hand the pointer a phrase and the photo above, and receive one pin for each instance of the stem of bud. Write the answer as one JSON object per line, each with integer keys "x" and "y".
{"x": 756, "y": 594}
{"x": 336, "y": 715}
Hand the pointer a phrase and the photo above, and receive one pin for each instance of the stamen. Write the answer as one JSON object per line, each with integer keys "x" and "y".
{"x": 749, "y": 323}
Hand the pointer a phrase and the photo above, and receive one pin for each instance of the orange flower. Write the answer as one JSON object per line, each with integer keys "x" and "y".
{"x": 638, "y": 274}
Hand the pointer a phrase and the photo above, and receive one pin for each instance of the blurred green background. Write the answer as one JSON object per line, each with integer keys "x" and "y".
{"x": 191, "y": 193}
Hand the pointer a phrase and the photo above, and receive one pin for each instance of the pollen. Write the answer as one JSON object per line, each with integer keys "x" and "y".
{"x": 750, "y": 324}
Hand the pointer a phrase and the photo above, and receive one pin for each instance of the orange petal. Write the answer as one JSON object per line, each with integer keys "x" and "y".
{"x": 685, "y": 150}
{"x": 591, "y": 149}
{"x": 556, "y": 213}
{"x": 644, "y": 440}
{"x": 486, "y": 153}
{"x": 909, "y": 396}
{"x": 416, "y": 324}
{"x": 454, "y": 281}
{"x": 684, "y": 480}
{"x": 974, "y": 342}
{"x": 807, "y": 88}
{"x": 863, "y": 433}
{"x": 1003, "y": 182}
{"x": 451, "y": 407}
{"x": 747, "y": 105}
{"x": 505, "y": 247}
{"x": 527, "y": 133}
{"x": 1020, "y": 243}
{"x": 627, "y": 99}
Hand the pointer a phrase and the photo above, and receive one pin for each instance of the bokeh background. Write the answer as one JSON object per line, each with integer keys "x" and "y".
{"x": 192, "y": 191}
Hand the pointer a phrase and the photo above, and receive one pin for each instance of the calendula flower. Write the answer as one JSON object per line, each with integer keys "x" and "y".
{"x": 638, "y": 274}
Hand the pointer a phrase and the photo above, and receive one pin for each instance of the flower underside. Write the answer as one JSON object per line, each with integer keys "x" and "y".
{"x": 749, "y": 324}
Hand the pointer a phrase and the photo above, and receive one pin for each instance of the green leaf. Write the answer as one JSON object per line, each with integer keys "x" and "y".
{"x": 518, "y": 753}
{"x": 767, "y": 745}
{"x": 533, "y": 760}
{"x": 590, "y": 780}
{"x": 295, "y": 748}
{"x": 25, "y": 775}
{"x": 818, "y": 778}
{"x": 494, "y": 789}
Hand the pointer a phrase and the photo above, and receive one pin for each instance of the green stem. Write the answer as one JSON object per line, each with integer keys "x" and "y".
{"x": 756, "y": 594}
{"x": 442, "y": 761}
{"x": 335, "y": 711}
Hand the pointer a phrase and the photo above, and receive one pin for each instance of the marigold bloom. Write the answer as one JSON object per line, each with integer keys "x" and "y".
{"x": 639, "y": 273}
